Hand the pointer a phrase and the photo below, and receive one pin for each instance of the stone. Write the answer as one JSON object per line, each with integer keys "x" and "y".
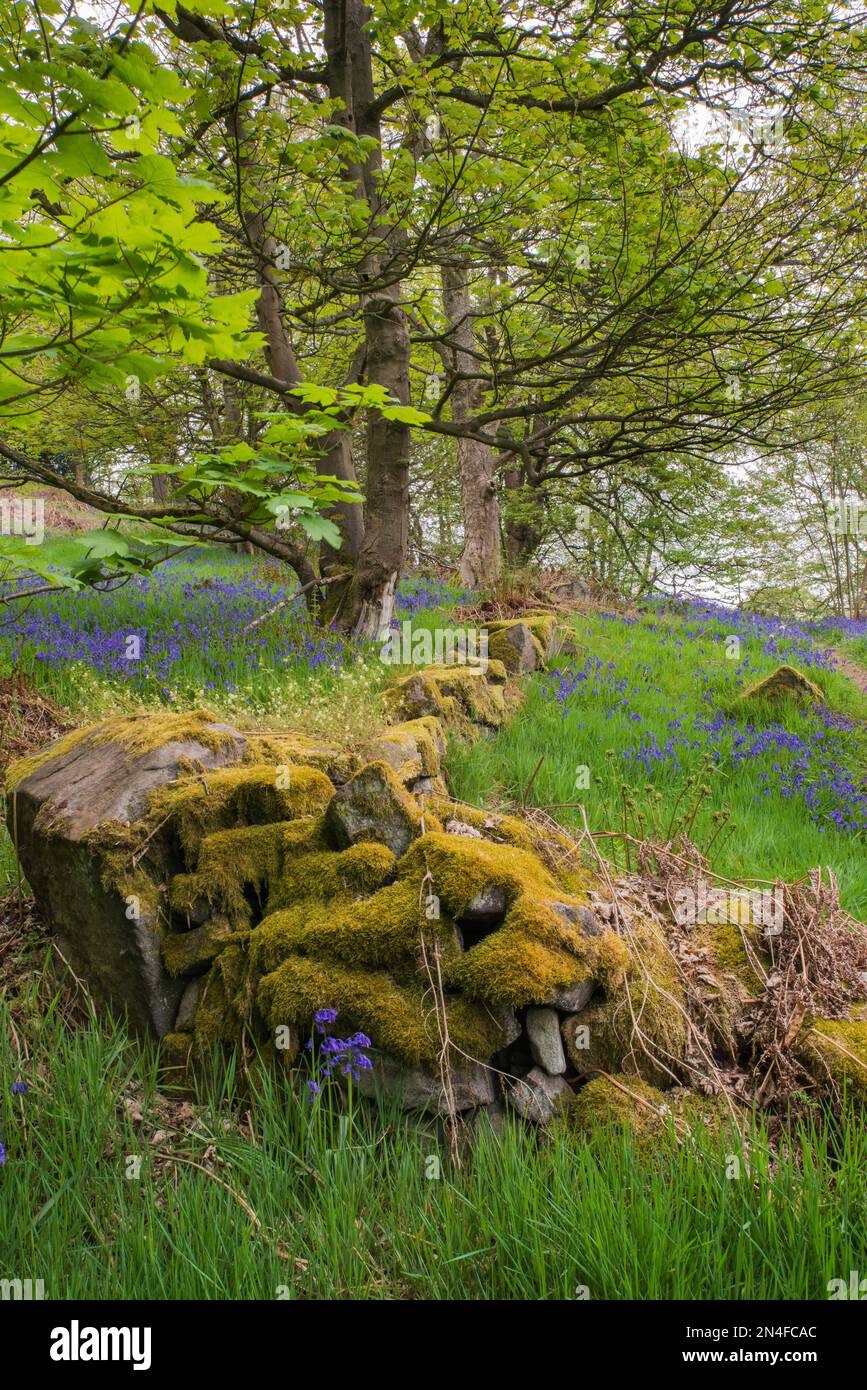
{"x": 574, "y": 999}
{"x": 535, "y": 1096}
{"x": 187, "y": 1008}
{"x": 472, "y": 1085}
{"x": 786, "y": 683}
{"x": 515, "y": 645}
{"x": 488, "y": 904}
{"x": 373, "y": 805}
{"x": 413, "y": 750}
{"x": 110, "y": 938}
{"x": 546, "y": 1045}
{"x": 581, "y": 917}
{"x": 191, "y": 952}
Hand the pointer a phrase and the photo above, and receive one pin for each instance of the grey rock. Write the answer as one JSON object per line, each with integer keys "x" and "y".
{"x": 489, "y": 903}
{"x": 535, "y": 1096}
{"x": 414, "y": 1089}
{"x": 373, "y": 805}
{"x": 574, "y": 999}
{"x": 546, "y": 1045}
{"x": 187, "y": 1009}
{"x": 581, "y": 917}
{"x": 54, "y": 809}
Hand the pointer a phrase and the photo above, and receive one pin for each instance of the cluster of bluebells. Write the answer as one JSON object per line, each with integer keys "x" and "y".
{"x": 418, "y": 595}
{"x": 346, "y": 1056}
{"x": 143, "y": 631}
{"x": 19, "y": 1088}
{"x": 801, "y": 642}
{"x": 810, "y": 764}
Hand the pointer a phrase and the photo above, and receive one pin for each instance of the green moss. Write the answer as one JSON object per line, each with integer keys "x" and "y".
{"x": 185, "y": 952}
{"x": 382, "y": 930}
{"x": 511, "y": 968}
{"x": 461, "y": 866}
{"x": 786, "y": 683}
{"x": 399, "y": 1020}
{"x": 619, "y": 1102}
{"x": 323, "y": 877}
{"x": 461, "y": 696}
{"x": 176, "y": 1051}
{"x": 835, "y": 1052}
{"x": 338, "y": 764}
{"x": 639, "y": 1024}
{"x": 233, "y": 797}
{"x": 231, "y": 865}
{"x": 646, "y": 1113}
{"x": 553, "y": 846}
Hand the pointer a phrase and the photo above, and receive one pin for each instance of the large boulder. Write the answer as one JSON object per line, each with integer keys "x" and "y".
{"x": 108, "y": 926}
{"x": 786, "y": 683}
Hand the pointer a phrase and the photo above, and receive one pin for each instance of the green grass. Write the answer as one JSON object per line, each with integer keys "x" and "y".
{"x": 292, "y": 1206}
{"x": 667, "y": 671}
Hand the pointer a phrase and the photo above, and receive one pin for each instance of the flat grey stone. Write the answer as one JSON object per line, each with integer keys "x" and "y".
{"x": 546, "y": 1045}
{"x": 414, "y": 1089}
{"x": 535, "y": 1096}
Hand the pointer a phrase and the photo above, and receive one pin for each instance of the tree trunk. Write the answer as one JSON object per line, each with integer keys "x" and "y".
{"x": 387, "y": 343}
{"x": 480, "y": 560}
{"x": 523, "y": 527}
{"x": 383, "y": 552}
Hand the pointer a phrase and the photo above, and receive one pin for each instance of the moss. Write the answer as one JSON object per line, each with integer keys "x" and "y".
{"x": 618, "y": 1102}
{"x": 552, "y": 845}
{"x": 639, "y": 1024}
{"x": 306, "y": 835}
{"x": 511, "y": 968}
{"x": 233, "y": 797}
{"x": 185, "y": 952}
{"x": 211, "y": 1012}
{"x": 322, "y": 877}
{"x": 412, "y": 749}
{"x": 231, "y": 865}
{"x": 646, "y": 1113}
{"x": 461, "y": 696}
{"x": 477, "y": 697}
{"x": 461, "y": 867}
{"x": 383, "y": 930}
{"x": 398, "y": 1020}
{"x": 176, "y": 1051}
{"x": 787, "y": 682}
{"x": 835, "y": 1052}
{"x": 137, "y": 733}
{"x": 338, "y": 764}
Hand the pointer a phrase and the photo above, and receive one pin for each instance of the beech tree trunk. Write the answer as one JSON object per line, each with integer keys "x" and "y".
{"x": 382, "y": 554}
{"x": 480, "y": 560}
{"x": 524, "y": 532}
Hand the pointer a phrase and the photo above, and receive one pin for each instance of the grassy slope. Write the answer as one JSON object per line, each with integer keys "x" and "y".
{"x": 662, "y": 672}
